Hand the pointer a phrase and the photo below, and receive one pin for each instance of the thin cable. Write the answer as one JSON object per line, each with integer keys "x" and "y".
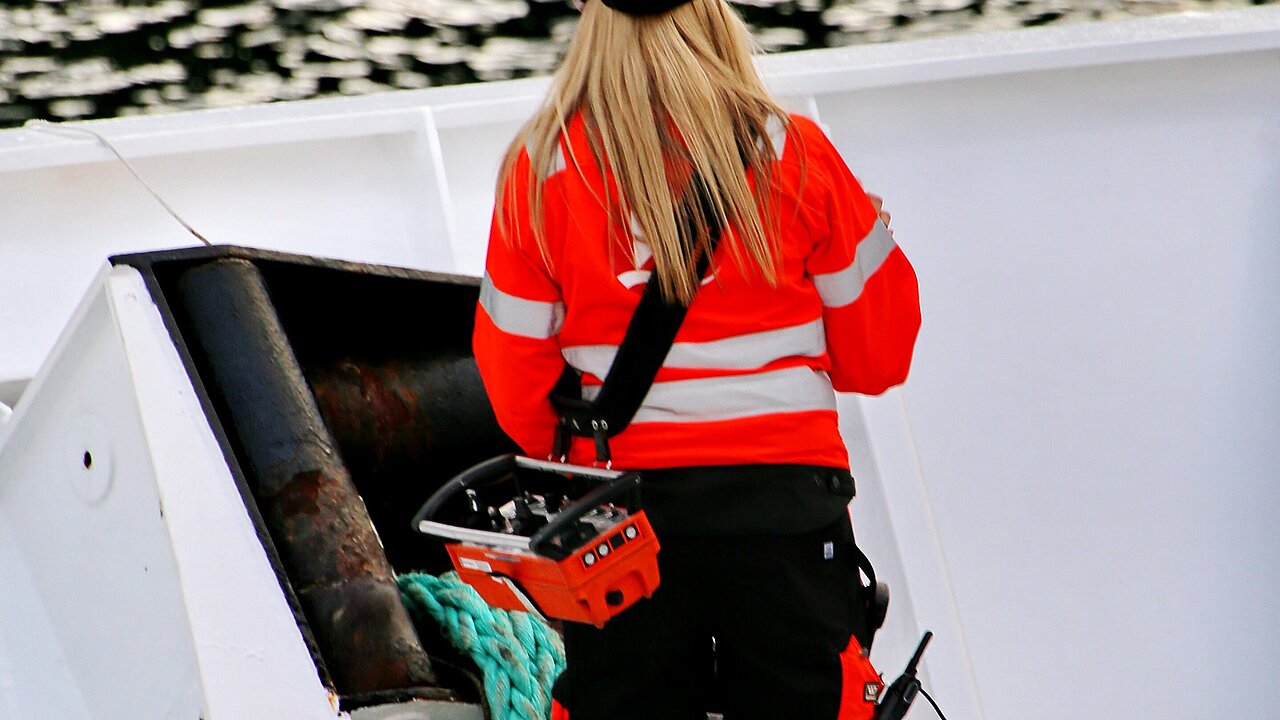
{"x": 934, "y": 704}
{"x": 55, "y": 128}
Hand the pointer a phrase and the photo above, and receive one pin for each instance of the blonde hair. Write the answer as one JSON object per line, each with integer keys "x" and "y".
{"x": 662, "y": 96}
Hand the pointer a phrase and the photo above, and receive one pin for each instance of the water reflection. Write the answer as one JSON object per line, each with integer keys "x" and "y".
{"x": 104, "y": 58}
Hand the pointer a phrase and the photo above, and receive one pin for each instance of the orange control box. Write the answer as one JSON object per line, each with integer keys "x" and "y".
{"x": 599, "y": 580}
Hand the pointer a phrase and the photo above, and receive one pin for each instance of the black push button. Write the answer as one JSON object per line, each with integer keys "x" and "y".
{"x": 616, "y": 541}
{"x": 841, "y": 484}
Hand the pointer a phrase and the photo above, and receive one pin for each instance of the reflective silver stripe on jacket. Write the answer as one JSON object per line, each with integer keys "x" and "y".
{"x": 518, "y": 316}
{"x": 798, "y": 389}
{"x": 741, "y": 352}
{"x": 844, "y": 286}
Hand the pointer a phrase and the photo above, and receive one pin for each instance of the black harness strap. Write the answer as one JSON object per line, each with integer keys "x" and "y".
{"x": 649, "y": 337}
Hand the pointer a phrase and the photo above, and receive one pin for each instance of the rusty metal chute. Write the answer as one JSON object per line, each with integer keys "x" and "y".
{"x": 343, "y": 395}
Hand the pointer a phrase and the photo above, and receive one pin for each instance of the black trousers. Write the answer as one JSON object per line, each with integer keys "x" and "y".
{"x": 751, "y": 625}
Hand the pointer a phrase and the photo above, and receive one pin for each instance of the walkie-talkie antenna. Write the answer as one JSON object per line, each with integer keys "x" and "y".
{"x": 897, "y": 699}
{"x": 915, "y": 659}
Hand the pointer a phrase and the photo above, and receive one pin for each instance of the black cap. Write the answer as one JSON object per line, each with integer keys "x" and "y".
{"x": 644, "y": 7}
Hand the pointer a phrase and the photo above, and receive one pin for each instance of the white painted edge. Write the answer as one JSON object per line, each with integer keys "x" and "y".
{"x": 419, "y": 710}
{"x": 515, "y": 106}
{"x": 821, "y": 72}
{"x": 932, "y": 595}
{"x": 47, "y": 147}
{"x": 252, "y": 661}
{"x": 438, "y": 199}
{"x": 947, "y": 667}
{"x": 1165, "y": 37}
{"x": 11, "y": 389}
{"x": 64, "y": 337}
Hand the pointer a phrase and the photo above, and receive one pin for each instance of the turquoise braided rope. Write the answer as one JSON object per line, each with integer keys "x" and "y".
{"x": 519, "y": 655}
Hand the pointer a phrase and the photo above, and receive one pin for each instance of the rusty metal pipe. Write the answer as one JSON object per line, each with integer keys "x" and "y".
{"x": 405, "y": 425}
{"x": 415, "y": 413}
{"x": 327, "y": 542}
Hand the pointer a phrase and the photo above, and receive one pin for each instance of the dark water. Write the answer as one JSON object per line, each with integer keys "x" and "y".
{"x": 107, "y": 58}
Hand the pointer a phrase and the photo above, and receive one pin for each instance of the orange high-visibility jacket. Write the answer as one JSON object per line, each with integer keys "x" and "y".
{"x": 754, "y": 370}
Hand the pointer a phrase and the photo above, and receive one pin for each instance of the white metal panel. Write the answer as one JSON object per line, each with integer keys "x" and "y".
{"x": 252, "y": 660}
{"x": 1086, "y": 443}
{"x": 59, "y": 224}
{"x": 98, "y": 625}
{"x": 361, "y": 197}
{"x": 894, "y": 524}
{"x": 1096, "y": 400}
{"x": 394, "y": 187}
{"x": 36, "y": 677}
{"x": 471, "y": 154}
{"x": 136, "y": 583}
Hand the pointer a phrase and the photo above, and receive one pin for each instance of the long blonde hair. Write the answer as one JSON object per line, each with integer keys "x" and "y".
{"x": 676, "y": 90}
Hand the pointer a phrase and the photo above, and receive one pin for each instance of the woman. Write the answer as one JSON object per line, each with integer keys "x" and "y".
{"x": 745, "y": 474}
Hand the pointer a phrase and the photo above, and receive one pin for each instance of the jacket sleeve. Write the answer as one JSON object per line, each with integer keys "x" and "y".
{"x": 870, "y": 297}
{"x": 516, "y": 339}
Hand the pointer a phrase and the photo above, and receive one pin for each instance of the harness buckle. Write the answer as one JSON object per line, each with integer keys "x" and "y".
{"x": 600, "y": 433}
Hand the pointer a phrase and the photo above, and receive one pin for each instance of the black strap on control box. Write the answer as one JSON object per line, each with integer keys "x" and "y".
{"x": 650, "y": 335}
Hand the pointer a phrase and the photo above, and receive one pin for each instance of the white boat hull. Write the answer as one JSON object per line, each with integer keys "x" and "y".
{"x": 1075, "y": 490}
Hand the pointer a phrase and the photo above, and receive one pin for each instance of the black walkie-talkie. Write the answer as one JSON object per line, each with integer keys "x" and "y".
{"x": 897, "y": 699}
